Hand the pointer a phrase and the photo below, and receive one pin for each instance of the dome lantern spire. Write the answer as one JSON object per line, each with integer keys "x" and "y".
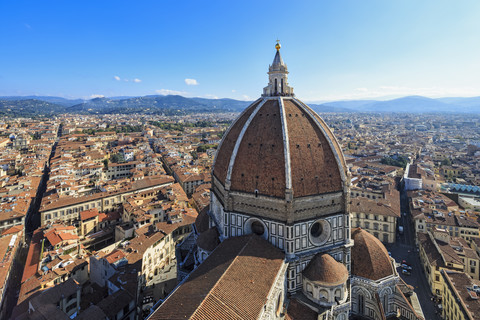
{"x": 277, "y": 77}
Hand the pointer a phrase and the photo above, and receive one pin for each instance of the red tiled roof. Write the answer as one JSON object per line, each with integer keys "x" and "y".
{"x": 87, "y": 214}
{"x": 14, "y": 229}
{"x": 227, "y": 285}
{"x": 114, "y": 256}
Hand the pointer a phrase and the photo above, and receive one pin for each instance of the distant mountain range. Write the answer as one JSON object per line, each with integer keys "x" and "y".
{"x": 174, "y": 104}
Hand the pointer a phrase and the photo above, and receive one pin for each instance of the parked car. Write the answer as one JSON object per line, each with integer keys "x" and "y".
{"x": 406, "y": 272}
{"x": 400, "y": 229}
{"x": 406, "y": 267}
{"x": 405, "y": 262}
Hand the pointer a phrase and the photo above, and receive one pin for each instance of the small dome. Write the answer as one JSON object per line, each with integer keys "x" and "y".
{"x": 370, "y": 258}
{"x": 208, "y": 240}
{"x": 325, "y": 270}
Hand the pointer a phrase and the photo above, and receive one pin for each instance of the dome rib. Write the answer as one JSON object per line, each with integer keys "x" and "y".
{"x": 239, "y": 141}
{"x": 259, "y": 164}
{"x": 222, "y": 159}
{"x": 286, "y": 144}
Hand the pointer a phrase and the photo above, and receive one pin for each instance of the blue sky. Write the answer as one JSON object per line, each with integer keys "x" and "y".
{"x": 333, "y": 49}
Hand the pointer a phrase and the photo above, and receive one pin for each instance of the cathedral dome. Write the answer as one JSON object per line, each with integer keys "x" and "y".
{"x": 281, "y": 152}
{"x": 370, "y": 258}
{"x": 280, "y": 145}
{"x": 323, "y": 269}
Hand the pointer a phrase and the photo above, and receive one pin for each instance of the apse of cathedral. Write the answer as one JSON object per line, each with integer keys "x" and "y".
{"x": 276, "y": 241}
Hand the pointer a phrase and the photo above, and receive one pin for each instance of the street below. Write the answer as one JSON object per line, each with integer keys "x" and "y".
{"x": 405, "y": 249}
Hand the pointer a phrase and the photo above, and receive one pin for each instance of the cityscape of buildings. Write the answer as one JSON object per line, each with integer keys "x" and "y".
{"x": 351, "y": 215}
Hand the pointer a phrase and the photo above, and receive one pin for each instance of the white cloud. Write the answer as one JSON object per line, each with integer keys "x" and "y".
{"x": 245, "y": 97}
{"x": 166, "y": 92}
{"x": 191, "y": 82}
{"x": 136, "y": 80}
{"x": 233, "y": 90}
{"x": 93, "y": 96}
{"x": 210, "y": 96}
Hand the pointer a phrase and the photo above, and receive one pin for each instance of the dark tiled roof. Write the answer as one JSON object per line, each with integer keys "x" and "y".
{"x": 201, "y": 223}
{"x": 433, "y": 255}
{"x": 370, "y": 259}
{"x": 298, "y": 311}
{"x": 459, "y": 281}
{"x": 228, "y": 284}
{"x": 208, "y": 240}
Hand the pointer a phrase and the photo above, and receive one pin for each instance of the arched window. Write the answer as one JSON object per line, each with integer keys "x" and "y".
{"x": 361, "y": 304}
{"x": 385, "y": 303}
{"x": 276, "y": 86}
{"x": 282, "y": 86}
{"x": 309, "y": 289}
{"x": 338, "y": 294}
{"x": 323, "y": 295}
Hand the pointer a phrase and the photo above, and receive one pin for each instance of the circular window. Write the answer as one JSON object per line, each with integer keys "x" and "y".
{"x": 316, "y": 229}
{"x": 320, "y": 232}
{"x": 258, "y": 228}
{"x": 255, "y": 226}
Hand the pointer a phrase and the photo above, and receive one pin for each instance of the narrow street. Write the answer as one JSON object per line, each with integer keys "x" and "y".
{"x": 404, "y": 249}
{"x": 32, "y": 222}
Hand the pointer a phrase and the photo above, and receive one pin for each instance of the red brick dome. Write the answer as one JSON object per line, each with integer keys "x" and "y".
{"x": 279, "y": 145}
{"x": 370, "y": 258}
{"x": 325, "y": 270}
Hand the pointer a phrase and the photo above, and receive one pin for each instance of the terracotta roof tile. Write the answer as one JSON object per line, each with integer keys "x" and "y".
{"x": 298, "y": 311}
{"x": 227, "y": 285}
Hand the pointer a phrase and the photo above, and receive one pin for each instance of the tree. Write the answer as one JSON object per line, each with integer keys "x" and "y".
{"x": 446, "y": 162}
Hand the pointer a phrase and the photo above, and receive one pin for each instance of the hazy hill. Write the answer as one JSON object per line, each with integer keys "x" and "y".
{"x": 29, "y": 107}
{"x": 174, "y": 104}
{"x": 55, "y": 100}
{"x": 412, "y": 104}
